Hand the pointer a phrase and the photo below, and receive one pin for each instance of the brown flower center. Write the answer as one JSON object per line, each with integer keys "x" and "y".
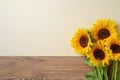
{"x": 83, "y": 41}
{"x": 99, "y": 54}
{"x": 103, "y": 33}
{"x": 115, "y": 48}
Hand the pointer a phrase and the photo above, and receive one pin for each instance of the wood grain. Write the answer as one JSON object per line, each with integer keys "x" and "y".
{"x": 42, "y": 68}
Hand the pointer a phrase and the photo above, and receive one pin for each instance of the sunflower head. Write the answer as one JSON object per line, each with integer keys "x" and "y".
{"x": 100, "y": 52}
{"x": 104, "y": 29}
{"x": 114, "y": 45}
{"x": 81, "y": 41}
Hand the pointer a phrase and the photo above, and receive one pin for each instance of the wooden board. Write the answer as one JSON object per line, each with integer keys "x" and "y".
{"x": 42, "y": 68}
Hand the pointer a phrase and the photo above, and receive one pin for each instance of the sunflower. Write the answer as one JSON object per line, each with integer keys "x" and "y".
{"x": 104, "y": 29}
{"x": 114, "y": 45}
{"x": 81, "y": 41}
{"x": 100, "y": 52}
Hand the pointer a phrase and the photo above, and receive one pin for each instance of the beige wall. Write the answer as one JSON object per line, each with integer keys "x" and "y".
{"x": 44, "y": 27}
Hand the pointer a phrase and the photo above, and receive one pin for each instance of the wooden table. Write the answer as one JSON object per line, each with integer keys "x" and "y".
{"x": 42, "y": 68}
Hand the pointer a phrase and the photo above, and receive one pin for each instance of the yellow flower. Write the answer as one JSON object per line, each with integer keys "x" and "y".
{"x": 100, "y": 52}
{"x": 104, "y": 29}
{"x": 114, "y": 45}
{"x": 81, "y": 42}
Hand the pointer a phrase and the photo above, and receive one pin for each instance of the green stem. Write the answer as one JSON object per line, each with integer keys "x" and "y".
{"x": 113, "y": 70}
{"x": 105, "y": 73}
{"x": 116, "y": 68}
{"x": 95, "y": 71}
{"x": 99, "y": 74}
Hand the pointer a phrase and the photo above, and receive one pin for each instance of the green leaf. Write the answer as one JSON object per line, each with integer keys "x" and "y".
{"x": 90, "y": 78}
{"x": 118, "y": 76}
{"x": 87, "y": 62}
{"x": 90, "y": 74}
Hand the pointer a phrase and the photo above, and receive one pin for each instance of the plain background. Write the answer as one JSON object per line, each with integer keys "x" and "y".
{"x": 45, "y": 27}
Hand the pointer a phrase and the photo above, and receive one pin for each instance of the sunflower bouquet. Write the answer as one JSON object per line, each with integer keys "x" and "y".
{"x": 101, "y": 47}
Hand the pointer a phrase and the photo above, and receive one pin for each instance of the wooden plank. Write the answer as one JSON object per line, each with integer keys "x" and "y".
{"x": 42, "y": 68}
